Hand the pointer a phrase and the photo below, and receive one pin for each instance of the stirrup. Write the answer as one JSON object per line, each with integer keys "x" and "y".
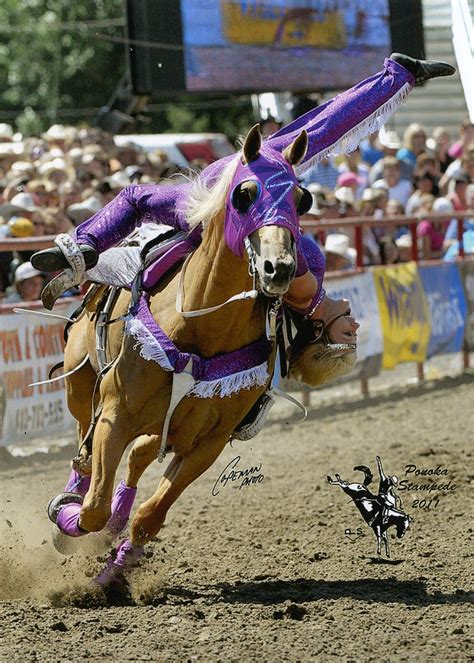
{"x": 56, "y": 287}
{"x": 61, "y": 500}
{"x": 249, "y": 430}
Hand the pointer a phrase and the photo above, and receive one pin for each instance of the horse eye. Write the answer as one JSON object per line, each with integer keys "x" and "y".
{"x": 244, "y": 195}
{"x": 305, "y": 202}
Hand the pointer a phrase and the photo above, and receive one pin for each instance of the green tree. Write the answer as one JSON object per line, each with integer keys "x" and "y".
{"x": 61, "y": 60}
{"x": 58, "y": 57}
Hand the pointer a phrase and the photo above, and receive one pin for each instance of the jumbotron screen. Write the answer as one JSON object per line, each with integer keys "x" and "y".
{"x": 273, "y": 45}
{"x": 265, "y": 45}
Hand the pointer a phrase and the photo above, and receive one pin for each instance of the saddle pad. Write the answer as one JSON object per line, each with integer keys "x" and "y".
{"x": 164, "y": 262}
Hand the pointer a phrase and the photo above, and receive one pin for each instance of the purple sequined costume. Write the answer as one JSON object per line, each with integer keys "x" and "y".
{"x": 335, "y": 127}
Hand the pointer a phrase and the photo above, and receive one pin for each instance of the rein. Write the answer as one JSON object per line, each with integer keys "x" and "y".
{"x": 245, "y": 294}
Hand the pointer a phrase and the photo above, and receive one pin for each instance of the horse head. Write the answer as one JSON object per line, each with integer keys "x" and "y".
{"x": 263, "y": 206}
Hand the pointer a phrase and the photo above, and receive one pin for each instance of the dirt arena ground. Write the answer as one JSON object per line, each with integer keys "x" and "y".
{"x": 264, "y": 572}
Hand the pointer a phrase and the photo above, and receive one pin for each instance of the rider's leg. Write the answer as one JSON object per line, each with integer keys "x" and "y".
{"x": 338, "y": 126}
{"x": 112, "y": 224}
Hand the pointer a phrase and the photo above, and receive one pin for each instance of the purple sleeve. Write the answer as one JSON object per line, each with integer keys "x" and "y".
{"x": 133, "y": 206}
{"x": 340, "y": 124}
{"x": 315, "y": 259}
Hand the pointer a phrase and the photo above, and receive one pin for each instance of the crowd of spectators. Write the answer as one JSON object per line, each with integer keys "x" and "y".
{"x": 51, "y": 183}
{"x": 421, "y": 175}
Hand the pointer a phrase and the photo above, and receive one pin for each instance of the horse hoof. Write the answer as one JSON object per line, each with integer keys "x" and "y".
{"x": 82, "y": 465}
{"x": 61, "y": 500}
{"x": 64, "y": 544}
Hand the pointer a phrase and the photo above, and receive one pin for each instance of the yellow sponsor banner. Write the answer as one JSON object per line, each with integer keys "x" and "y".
{"x": 404, "y": 314}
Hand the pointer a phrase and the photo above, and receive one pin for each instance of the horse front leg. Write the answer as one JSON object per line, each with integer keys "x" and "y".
{"x": 112, "y": 434}
{"x": 143, "y": 452}
{"x": 150, "y": 516}
{"x": 111, "y": 437}
{"x": 387, "y": 543}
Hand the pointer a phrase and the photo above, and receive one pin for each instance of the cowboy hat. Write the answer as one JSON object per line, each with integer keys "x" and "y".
{"x": 338, "y": 243}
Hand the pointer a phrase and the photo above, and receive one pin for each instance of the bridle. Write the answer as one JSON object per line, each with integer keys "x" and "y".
{"x": 245, "y": 294}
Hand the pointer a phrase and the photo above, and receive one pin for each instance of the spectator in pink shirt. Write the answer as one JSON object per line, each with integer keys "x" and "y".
{"x": 430, "y": 233}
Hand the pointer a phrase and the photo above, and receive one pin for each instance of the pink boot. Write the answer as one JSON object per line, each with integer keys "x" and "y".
{"x": 77, "y": 483}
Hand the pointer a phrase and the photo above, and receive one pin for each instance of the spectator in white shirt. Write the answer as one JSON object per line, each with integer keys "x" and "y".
{"x": 397, "y": 187}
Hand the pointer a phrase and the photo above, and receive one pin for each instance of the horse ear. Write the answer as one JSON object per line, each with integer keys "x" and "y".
{"x": 295, "y": 152}
{"x": 252, "y": 144}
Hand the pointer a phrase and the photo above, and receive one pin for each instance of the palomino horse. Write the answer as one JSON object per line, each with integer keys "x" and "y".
{"x": 135, "y": 393}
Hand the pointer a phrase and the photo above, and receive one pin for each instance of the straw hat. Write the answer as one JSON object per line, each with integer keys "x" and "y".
{"x": 22, "y": 202}
{"x": 26, "y": 271}
{"x": 390, "y": 140}
{"x": 79, "y": 212}
{"x": 345, "y": 195}
{"x": 338, "y": 243}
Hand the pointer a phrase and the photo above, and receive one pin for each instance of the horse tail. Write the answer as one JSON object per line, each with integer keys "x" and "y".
{"x": 368, "y": 474}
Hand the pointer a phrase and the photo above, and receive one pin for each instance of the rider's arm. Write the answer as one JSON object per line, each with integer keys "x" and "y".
{"x": 306, "y": 290}
{"x": 133, "y": 206}
{"x": 301, "y": 291}
{"x": 381, "y": 472}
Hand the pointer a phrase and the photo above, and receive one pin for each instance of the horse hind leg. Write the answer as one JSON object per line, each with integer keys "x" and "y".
{"x": 378, "y": 534}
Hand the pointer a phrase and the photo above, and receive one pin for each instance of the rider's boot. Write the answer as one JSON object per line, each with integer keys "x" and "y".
{"x": 67, "y": 254}
{"x": 423, "y": 70}
{"x": 125, "y": 557}
{"x": 122, "y": 504}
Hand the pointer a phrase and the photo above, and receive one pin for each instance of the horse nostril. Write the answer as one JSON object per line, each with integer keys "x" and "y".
{"x": 268, "y": 267}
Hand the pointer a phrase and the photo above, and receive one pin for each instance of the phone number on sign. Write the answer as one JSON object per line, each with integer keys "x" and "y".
{"x": 39, "y": 415}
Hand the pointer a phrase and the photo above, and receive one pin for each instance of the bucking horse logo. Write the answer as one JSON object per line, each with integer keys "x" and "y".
{"x": 379, "y": 511}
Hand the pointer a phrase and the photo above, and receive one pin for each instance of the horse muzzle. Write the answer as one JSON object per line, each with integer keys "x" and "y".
{"x": 276, "y": 274}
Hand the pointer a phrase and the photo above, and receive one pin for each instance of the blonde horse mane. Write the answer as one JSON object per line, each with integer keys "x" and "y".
{"x": 206, "y": 200}
{"x": 317, "y": 364}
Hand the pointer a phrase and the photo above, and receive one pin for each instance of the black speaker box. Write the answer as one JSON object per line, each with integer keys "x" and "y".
{"x": 156, "y": 54}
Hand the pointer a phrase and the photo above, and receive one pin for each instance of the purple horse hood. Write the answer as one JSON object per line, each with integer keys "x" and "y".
{"x": 274, "y": 204}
